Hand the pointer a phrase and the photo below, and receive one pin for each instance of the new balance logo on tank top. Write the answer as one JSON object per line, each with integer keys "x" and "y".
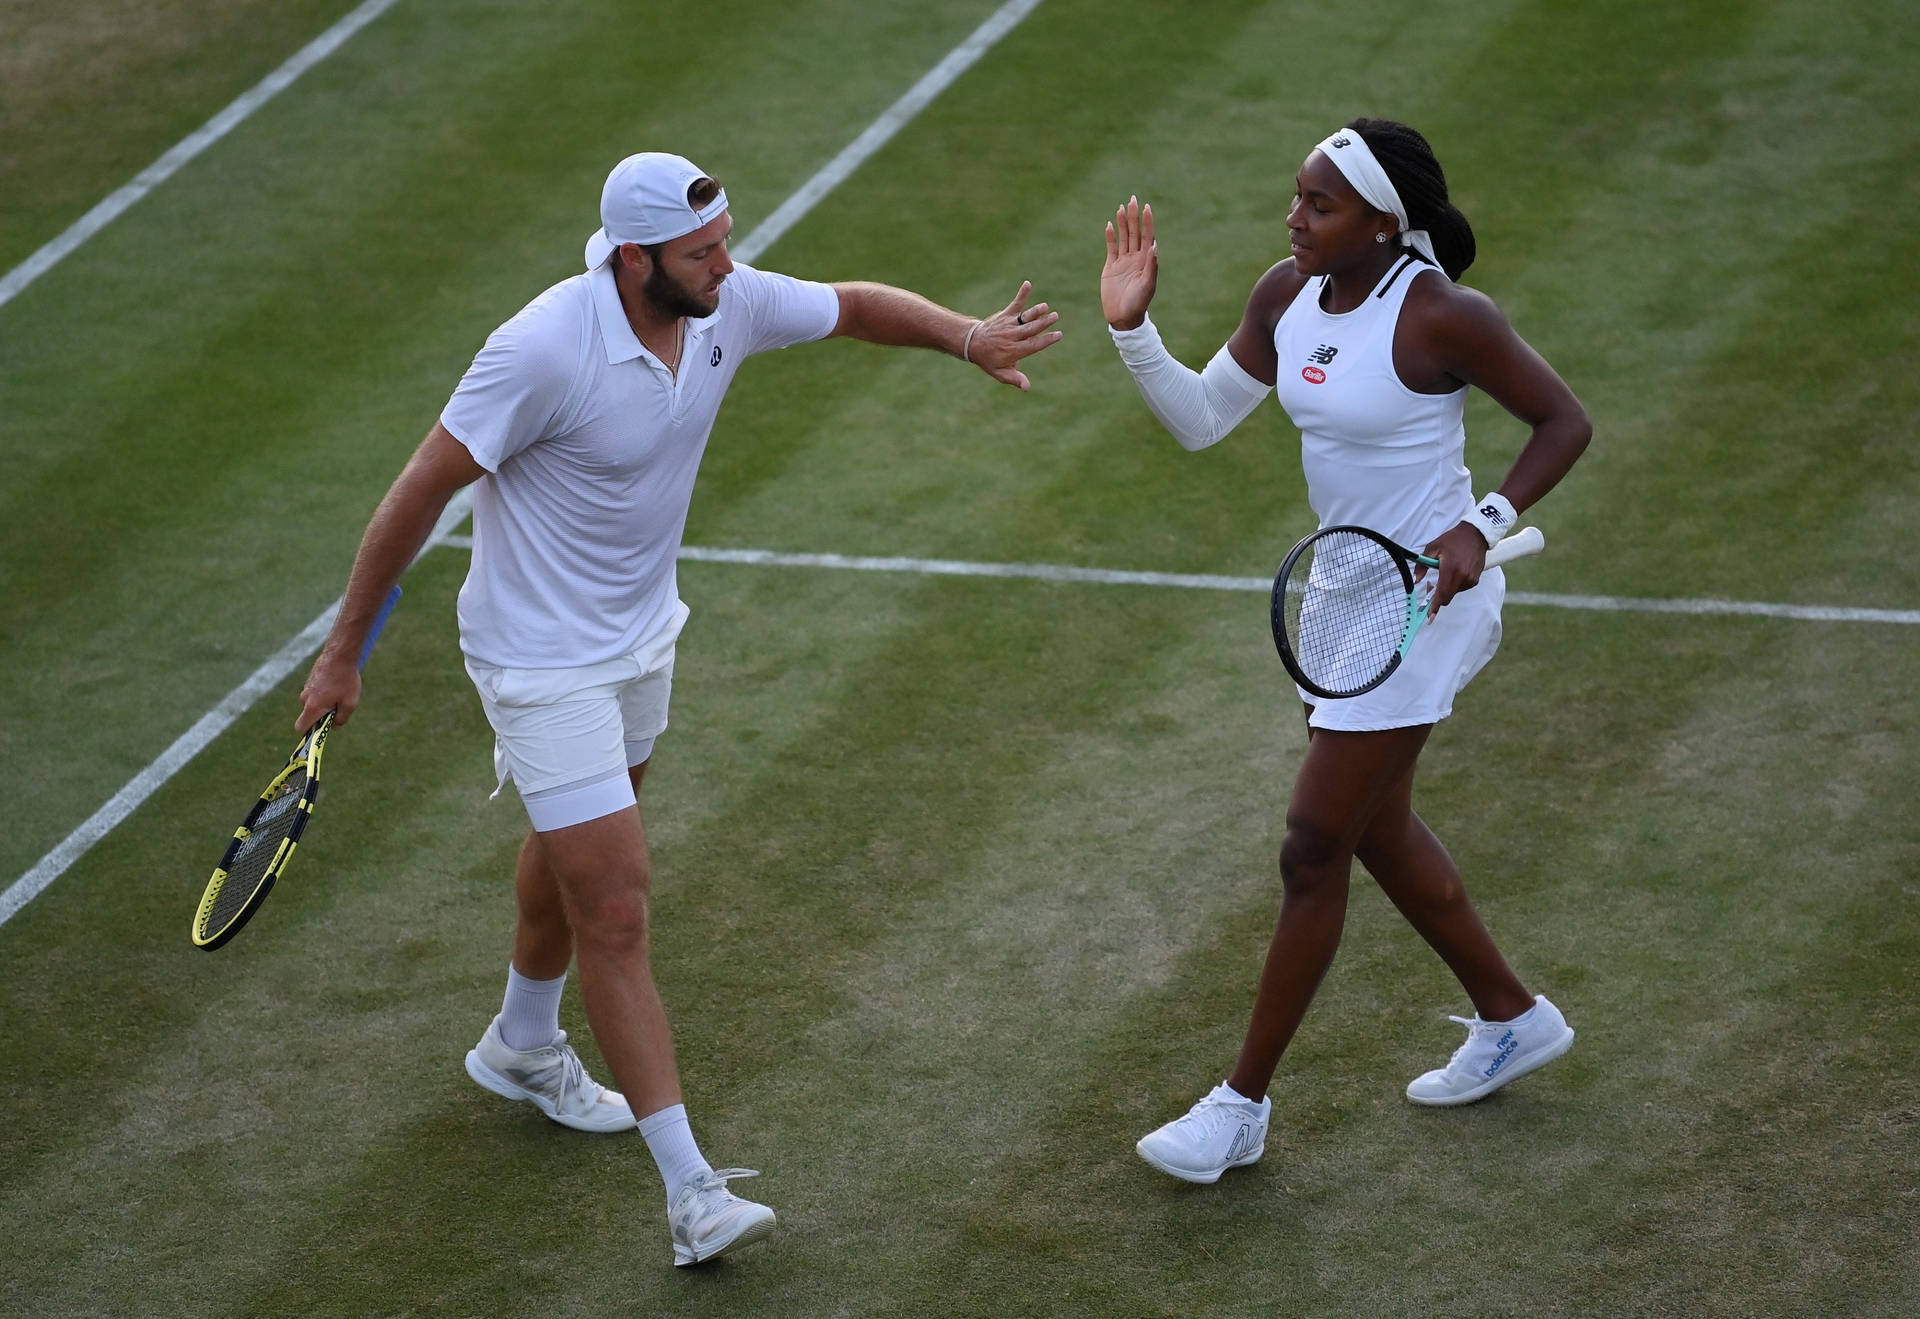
{"x": 1375, "y": 452}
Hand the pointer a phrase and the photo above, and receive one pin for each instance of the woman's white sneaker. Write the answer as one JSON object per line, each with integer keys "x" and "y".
{"x": 1222, "y": 1131}
{"x": 1495, "y": 1053}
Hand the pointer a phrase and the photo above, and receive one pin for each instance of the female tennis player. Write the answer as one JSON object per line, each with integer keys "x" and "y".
{"x": 1370, "y": 345}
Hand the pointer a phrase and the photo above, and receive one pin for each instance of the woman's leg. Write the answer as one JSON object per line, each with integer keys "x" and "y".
{"x": 1413, "y": 869}
{"x": 1343, "y": 783}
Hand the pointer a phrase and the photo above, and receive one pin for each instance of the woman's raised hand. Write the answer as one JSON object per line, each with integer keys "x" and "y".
{"x": 1133, "y": 264}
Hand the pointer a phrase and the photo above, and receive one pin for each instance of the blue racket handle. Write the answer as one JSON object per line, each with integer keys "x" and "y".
{"x": 379, "y": 623}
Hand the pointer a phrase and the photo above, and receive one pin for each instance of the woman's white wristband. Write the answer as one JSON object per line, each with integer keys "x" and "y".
{"x": 1494, "y": 516}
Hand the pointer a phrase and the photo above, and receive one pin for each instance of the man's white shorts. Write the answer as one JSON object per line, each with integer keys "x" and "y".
{"x": 566, "y": 737}
{"x": 1449, "y": 651}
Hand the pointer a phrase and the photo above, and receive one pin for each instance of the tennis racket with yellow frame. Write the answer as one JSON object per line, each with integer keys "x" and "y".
{"x": 263, "y": 845}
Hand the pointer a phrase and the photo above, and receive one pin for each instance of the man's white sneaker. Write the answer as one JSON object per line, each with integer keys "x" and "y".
{"x": 1222, "y": 1131}
{"x": 1495, "y": 1053}
{"x": 552, "y": 1079}
{"x": 707, "y": 1218}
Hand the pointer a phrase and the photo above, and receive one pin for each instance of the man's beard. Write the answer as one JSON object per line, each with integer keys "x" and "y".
{"x": 672, "y": 298}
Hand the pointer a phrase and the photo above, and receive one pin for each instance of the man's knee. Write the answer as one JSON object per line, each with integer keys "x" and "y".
{"x": 609, "y": 909}
{"x": 617, "y": 922}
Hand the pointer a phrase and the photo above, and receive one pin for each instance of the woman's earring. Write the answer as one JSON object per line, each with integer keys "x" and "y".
{"x": 1379, "y": 238}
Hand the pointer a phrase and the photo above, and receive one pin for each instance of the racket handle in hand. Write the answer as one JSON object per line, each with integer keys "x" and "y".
{"x": 379, "y": 622}
{"x": 1524, "y": 542}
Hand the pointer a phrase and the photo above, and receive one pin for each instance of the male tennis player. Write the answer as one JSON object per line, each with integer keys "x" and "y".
{"x": 583, "y": 420}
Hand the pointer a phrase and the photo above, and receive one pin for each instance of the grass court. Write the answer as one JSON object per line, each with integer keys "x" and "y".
{"x": 962, "y": 884}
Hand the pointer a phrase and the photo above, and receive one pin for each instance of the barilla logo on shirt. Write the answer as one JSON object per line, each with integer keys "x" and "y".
{"x": 1313, "y": 375}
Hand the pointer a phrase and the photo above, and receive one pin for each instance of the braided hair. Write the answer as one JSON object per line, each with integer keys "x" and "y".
{"x": 1416, "y": 175}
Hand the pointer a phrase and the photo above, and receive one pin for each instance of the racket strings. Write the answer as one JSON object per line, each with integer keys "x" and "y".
{"x": 1345, "y": 611}
{"x": 256, "y": 853}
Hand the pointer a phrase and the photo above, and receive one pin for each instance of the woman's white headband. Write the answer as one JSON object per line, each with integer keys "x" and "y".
{"x": 1350, "y": 155}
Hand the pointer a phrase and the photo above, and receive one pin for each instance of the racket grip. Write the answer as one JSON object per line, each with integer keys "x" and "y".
{"x": 380, "y": 623}
{"x": 1524, "y": 542}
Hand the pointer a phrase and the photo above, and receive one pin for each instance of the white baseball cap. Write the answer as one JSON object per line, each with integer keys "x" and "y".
{"x": 645, "y": 201}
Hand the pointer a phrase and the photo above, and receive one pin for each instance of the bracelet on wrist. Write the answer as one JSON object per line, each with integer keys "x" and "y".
{"x": 966, "y": 346}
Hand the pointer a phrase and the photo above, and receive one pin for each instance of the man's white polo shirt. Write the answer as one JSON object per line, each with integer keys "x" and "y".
{"x": 592, "y": 446}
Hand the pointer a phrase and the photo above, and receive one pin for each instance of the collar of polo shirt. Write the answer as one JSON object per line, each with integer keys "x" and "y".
{"x": 616, "y": 331}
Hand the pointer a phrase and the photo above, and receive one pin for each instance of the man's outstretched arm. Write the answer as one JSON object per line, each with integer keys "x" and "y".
{"x": 883, "y": 314}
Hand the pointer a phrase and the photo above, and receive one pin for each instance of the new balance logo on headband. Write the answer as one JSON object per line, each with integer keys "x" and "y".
{"x": 1342, "y": 141}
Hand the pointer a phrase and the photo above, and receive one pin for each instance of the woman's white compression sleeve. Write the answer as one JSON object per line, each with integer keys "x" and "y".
{"x": 1198, "y": 407}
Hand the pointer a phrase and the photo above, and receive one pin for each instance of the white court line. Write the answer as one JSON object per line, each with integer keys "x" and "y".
{"x": 941, "y": 76}
{"x": 196, "y": 739}
{"x": 1057, "y": 572}
{"x": 192, "y": 145}
{"x": 144, "y": 784}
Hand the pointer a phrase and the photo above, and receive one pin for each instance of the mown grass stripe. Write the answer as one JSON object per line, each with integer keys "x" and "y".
{"x": 881, "y": 131}
{"x": 118, "y": 202}
{"x": 196, "y": 739}
{"x": 284, "y": 661}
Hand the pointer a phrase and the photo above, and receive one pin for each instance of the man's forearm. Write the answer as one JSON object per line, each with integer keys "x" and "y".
{"x": 394, "y": 535}
{"x": 899, "y": 318}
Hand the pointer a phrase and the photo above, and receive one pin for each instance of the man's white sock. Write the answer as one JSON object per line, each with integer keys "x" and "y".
{"x": 674, "y": 1149}
{"x": 530, "y": 1014}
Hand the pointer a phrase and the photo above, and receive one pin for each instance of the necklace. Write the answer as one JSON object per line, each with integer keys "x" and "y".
{"x": 672, "y": 360}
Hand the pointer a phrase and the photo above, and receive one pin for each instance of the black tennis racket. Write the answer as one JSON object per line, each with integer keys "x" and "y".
{"x": 264, "y": 843}
{"x": 1345, "y": 607}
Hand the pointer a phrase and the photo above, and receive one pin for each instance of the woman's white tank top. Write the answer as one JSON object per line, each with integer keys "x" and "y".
{"x": 1375, "y": 452}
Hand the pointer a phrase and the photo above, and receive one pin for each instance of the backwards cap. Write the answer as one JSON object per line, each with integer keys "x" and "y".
{"x": 645, "y": 201}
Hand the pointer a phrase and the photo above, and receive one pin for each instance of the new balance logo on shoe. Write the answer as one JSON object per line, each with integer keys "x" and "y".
{"x": 1506, "y": 1046}
{"x": 1495, "y": 1053}
{"x": 1222, "y": 1131}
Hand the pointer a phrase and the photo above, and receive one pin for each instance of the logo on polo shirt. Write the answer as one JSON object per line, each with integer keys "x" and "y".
{"x": 715, "y": 359}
